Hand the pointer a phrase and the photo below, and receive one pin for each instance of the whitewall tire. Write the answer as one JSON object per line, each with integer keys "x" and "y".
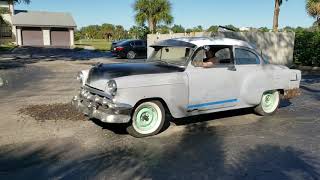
{"x": 147, "y": 120}
{"x": 269, "y": 104}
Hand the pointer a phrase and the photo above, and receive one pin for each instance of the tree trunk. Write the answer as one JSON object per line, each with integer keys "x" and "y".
{"x": 276, "y": 16}
{"x": 151, "y": 25}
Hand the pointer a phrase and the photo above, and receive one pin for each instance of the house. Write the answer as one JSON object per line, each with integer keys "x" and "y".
{"x": 6, "y": 29}
{"x": 39, "y": 28}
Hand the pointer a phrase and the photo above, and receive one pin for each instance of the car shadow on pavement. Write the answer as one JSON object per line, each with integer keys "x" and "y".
{"x": 212, "y": 116}
{"x": 116, "y": 128}
{"x": 199, "y": 152}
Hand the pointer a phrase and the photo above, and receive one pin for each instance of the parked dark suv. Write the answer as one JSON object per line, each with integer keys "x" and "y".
{"x": 131, "y": 49}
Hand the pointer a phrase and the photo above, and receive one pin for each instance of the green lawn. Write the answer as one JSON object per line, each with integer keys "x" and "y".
{"x": 6, "y": 47}
{"x": 98, "y": 44}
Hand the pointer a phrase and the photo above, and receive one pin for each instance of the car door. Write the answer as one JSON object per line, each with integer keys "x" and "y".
{"x": 211, "y": 89}
{"x": 248, "y": 70}
{"x": 138, "y": 48}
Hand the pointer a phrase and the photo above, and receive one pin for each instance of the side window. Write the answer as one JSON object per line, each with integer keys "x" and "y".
{"x": 244, "y": 57}
{"x": 198, "y": 58}
{"x": 138, "y": 43}
{"x": 224, "y": 56}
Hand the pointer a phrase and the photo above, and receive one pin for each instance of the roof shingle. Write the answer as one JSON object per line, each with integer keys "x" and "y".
{"x": 43, "y": 19}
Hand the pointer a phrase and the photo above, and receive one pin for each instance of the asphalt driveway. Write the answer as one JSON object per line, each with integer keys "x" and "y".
{"x": 227, "y": 145}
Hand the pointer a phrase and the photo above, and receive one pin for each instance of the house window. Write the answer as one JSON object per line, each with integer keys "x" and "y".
{"x": 5, "y": 29}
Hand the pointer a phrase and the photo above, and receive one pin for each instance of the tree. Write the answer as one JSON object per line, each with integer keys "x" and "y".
{"x": 197, "y": 29}
{"x": 163, "y": 29}
{"x": 213, "y": 29}
{"x": 232, "y": 27}
{"x": 7, "y": 11}
{"x": 177, "y": 29}
{"x": 313, "y": 9}
{"x": 189, "y": 30}
{"x": 120, "y": 32}
{"x": 108, "y": 31}
{"x": 288, "y": 29}
{"x": 139, "y": 32}
{"x": 263, "y": 29}
{"x": 153, "y": 12}
{"x": 277, "y": 4}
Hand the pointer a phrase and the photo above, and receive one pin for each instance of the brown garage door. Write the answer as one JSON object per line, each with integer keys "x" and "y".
{"x": 32, "y": 37}
{"x": 60, "y": 37}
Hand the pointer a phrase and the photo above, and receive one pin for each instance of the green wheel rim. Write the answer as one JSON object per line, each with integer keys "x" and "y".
{"x": 146, "y": 118}
{"x": 269, "y": 101}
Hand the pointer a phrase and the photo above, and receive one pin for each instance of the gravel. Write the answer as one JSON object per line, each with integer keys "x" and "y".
{"x": 44, "y": 112}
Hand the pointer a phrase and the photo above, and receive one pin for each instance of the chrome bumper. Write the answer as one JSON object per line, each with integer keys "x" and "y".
{"x": 101, "y": 108}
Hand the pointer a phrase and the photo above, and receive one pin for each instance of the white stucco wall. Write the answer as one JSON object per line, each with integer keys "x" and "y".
{"x": 46, "y": 36}
{"x": 71, "y": 37}
{"x": 278, "y": 47}
{"x": 18, "y": 36}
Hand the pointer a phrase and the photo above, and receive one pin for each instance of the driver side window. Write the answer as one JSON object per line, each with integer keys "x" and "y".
{"x": 213, "y": 56}
{"x": 198, "y": 58}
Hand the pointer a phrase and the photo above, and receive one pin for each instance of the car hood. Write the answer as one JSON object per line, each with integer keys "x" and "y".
{"x": 128, "y": 72}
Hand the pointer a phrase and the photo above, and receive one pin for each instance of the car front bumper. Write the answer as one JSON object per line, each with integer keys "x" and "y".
{"x": 102, "y": 108}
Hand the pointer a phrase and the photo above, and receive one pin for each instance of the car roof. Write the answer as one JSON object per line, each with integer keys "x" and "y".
{"x": 203, "y": 41}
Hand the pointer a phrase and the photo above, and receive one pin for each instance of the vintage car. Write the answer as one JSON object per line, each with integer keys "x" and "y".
{"x": 174, "y": 81}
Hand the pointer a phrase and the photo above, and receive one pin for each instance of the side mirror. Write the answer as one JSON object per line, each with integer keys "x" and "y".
{"x": 232, "y": 67}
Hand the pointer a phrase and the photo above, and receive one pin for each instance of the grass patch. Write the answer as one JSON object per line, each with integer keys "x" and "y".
{"x": 98, "y": 44}
{"x": 6, "y": 47}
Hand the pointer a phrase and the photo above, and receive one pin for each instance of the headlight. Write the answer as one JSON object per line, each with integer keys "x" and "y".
{"x": 112, "y": 87}
{"x": 80, "y": 77}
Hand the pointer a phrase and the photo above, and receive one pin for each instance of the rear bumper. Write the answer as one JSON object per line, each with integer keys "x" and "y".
{"x": 291, "y": 93}
{"x": 101, "y": 108}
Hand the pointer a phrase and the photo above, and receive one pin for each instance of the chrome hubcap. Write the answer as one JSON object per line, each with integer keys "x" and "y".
{"x": 147, "y": 118}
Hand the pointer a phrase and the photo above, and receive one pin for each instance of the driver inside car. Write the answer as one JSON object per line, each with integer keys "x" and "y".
{"x": 211, "y": 60}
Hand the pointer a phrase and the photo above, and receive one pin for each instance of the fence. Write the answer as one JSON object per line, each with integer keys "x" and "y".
{"x": 278, "y": 47}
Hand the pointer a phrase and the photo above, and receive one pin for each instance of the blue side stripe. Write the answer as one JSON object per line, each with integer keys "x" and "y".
{"x": 212, "y": 103}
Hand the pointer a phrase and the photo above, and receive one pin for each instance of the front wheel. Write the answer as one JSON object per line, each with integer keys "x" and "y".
{"x": 269, "y": 103}
{"x": 147, "y": 120}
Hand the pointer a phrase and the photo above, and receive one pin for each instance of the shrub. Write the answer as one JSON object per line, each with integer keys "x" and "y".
{"x": 307, "y": 47}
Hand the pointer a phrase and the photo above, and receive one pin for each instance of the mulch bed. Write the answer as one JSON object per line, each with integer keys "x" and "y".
{"x": 59, "y": 111}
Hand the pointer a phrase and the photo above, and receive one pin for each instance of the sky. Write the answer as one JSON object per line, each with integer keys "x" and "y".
{"x": 189, "y": 13}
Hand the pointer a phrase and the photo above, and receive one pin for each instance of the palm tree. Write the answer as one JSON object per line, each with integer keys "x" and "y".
{"x": 3, "y": 10}
{"x": 277, "y": 5}
{"x": 313, "y": 9}
{"x": 153, "y": 12}
{"x": 11, "y": 2}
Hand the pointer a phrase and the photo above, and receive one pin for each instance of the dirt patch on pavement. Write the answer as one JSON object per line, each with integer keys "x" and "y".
{"x": 59, "y": 111}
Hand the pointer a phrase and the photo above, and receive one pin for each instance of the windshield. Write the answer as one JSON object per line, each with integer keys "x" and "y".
{"x": 171, "y": 55}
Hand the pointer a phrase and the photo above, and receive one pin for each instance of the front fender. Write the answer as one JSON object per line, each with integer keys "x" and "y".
{"x": 174, "y": 95}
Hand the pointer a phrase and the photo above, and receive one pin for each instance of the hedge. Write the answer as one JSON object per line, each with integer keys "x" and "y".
{"x": 307, "y": 48}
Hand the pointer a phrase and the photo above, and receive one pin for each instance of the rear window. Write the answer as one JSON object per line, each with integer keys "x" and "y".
{"x": 138, "y": 43}
{"x": 122, "y": 43}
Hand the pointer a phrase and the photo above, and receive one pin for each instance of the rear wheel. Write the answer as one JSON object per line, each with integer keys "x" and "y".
{"x": 131, "y": 55}
{"x": 269, "y": 103}
{"x": 147, "y": 120}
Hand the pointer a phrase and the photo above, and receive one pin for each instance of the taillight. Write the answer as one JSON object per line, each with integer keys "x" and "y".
{"x": 119, "y": 48}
